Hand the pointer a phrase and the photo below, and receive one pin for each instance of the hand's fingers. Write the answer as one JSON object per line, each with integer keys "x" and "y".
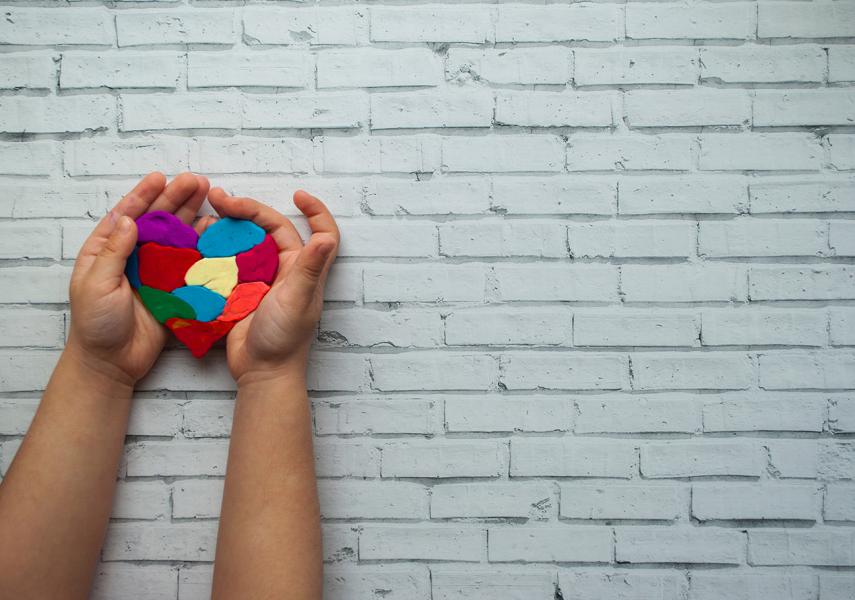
{"x": 109, "y": 263}
{"x": 277, "y": 225}
{"x": 137, "y": 201}
{"x": 203, "y": 223}
{"x": 319, "y": 217}
{"x": 187, "y": 211}
{"x": 176, "y": 193}
{"x": 310, "y": 268}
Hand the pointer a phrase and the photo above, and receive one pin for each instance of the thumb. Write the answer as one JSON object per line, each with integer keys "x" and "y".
{"x": 110, "y": 261}
{"x": 310, "y": 266}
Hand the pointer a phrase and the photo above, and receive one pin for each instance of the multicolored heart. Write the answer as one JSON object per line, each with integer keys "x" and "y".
{"x": 200, "y": 286}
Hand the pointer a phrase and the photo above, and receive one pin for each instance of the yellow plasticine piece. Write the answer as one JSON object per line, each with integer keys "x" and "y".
{"x": 219, "y": 275}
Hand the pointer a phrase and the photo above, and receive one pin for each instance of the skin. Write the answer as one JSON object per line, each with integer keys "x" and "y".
{"x": 56, "y": 498}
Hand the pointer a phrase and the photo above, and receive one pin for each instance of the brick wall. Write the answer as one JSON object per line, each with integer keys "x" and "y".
{"x": 591, "y": 332}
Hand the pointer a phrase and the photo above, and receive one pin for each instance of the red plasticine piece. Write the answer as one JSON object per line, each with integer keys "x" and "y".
{"x": 243, "y": 300}
{"x": 259, "y": 263}
{"x": 163, "y": 267}
{"x": 197, "y": 335}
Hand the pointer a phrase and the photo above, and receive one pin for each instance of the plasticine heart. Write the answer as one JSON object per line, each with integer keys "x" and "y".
{"x": 201, "y": 286}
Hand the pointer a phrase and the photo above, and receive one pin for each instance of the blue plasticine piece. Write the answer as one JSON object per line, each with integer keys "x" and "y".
{"x": 207, "y": 304}
{"x": 228, "y": 237}
{"x": 132, "y": 270}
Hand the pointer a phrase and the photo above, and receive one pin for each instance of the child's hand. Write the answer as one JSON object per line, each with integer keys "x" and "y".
{"x": 275, "y": 339}
{"x": 110, "y": 328}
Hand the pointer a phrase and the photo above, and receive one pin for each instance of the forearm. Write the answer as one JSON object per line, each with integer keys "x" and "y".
{"x": 58, "y": 492}
{"x": 269, "y": 544}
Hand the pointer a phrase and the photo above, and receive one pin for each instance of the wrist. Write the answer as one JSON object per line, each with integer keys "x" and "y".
{"x": 290, "y": 374}
{"x": 95, "y": 368}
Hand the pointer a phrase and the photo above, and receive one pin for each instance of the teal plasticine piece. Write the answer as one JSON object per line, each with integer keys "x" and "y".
{"x": 132, "y": 270}
{"x": 207, "y": 304}
{"x": 228, "y": 237}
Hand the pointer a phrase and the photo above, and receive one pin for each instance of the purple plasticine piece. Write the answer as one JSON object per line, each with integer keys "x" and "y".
{"x": 166, "y": 229}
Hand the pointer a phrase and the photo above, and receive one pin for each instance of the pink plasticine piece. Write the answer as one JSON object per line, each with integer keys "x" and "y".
{"x": 259, "y": 263}
{"x": 166, "y": 229}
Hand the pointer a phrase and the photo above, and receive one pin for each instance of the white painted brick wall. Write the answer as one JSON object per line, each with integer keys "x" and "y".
{"x": 592, "y": 327}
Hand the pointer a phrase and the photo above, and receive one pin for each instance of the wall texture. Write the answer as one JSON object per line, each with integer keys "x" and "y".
{"x": 591, "y": 334}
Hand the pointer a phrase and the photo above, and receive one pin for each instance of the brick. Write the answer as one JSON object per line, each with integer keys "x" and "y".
{"x": 30, "y": 239}
{"x": 769, "y": 327}
{"x": 35, "y": 285}
{"x": 268, "y": 68}
{"x": 839, "y": 504}
{"x": 556, "y": 109}
{"x": 35, "y": 71}
{"x": 28, "y": 158}
{"x": 305, "y": 110}
{"x": 160, "y": 541}
{"x": 424, "y": 283}
{"x": 508, "y": 327}
{"x": 623, "y": 585}
{"x": 236, "y": 155}
{"x": 633, "y": 414}
{"x": 409, "y": 582}
{"x": 554, "y": 195}
{"x": 588, "y": 152}
{"x": 841, "y": 149}
{"x": 582, "y": 22}
{"x": 120, "y": 70}
{"x": 764, "y": 412}
{"x": 340, "y": 543}
{"x": 802, "y": 283}
{"x": 798, "y": 196}
{"x": 836, "y": 587}
{"x": 841, "y": 415}
{"x": 564, "y": 371}
{"x": 51, "y": 114}
{"x": 372, "y": 500}
{"x": 801, "y": 547}
{"x": 503, "y": 238}
{"x": 370, "y": 68}
{"x": 686, "y": 108}
{"x": 26, "y": 370}
{"x": 418, "y": 542}
{"x": 392, "y": 154}
{"x": 641, "y": 239}
{"x": 47, "y": 26}
{"x": 207, "y": 418}
{"x": 792, "y": 458}
{"x": 344, "y": 283}
{"x": 683, "y": 283}
{"x": 526, "y": 500}
{"x": 361, "y": 238}
{"x": 145, "y": 582}
{"x": 842, "y": 326}
{"x": 483, "y": 584}
{"x": 346, "y": 459}
{"x": 721, "y": 370}
{"x": 34, "y": 328}
{"x": 187, "y": 26}
{"x": 635, "y": 66}
{"x": 511, "y": 66}
{"x": 695, "y": 194}
{"x": 804, "y": 107}
{"x": 700, "y": 459}
{"x": 841, "y": 63}
{"x": 444, "y": 458}
{"x": 752, "y": 586}
{"x": 195, "y": 581}
{"x": 404, "y": 328}
{"x": 678, "y": 545}
{"x": 836, "y": 460}
{"x": 155, "y": 416}
{"x": 803, "y": 63}
{"x": 124, "y": 157}
{"x": 735, "y": 20}
{"x": 199, "y": 110}
{"x": 565, "y": 457}
{"x": 506, "y": 413}
{"x": 313, "y": 25}
{"x": 578, "y": 283}
{"x": 739, "y": 501}
{"x": 435, "y": 196}
{"x": 409, "y": 110}
{"x": 367, "y": 415}
{"x": 759, "y": 152}
{"x": 553, "y": 543}
{"x": 424, "y": 370}
{"x": 437, "y": 23}
{"x": 510, "y": 153}
{"x": 657, "y": 502}
{"x": 796, "y": 20}
{"x": 141, "y": 500}
{"x": 634, "y": 328}
{"x": 16, "y": 415}
{"x": 335, "y": 372}
{"x": 177, "y": 458}
{"x": 763, "y": 237}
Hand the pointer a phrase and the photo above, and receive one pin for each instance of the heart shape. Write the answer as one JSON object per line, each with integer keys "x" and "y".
{"x": 200, "y": 286}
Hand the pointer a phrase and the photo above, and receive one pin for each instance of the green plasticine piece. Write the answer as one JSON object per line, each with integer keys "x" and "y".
{"x": 164, "y": 305}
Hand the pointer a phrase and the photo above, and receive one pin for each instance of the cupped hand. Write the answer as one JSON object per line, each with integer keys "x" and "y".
{"x": 275, "y": 339}
{"x": 110, "y": 327}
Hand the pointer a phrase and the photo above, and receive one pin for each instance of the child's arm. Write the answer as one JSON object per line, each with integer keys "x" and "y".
{"x": 269, "y": 543}
{"x": 56, "y": 498}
